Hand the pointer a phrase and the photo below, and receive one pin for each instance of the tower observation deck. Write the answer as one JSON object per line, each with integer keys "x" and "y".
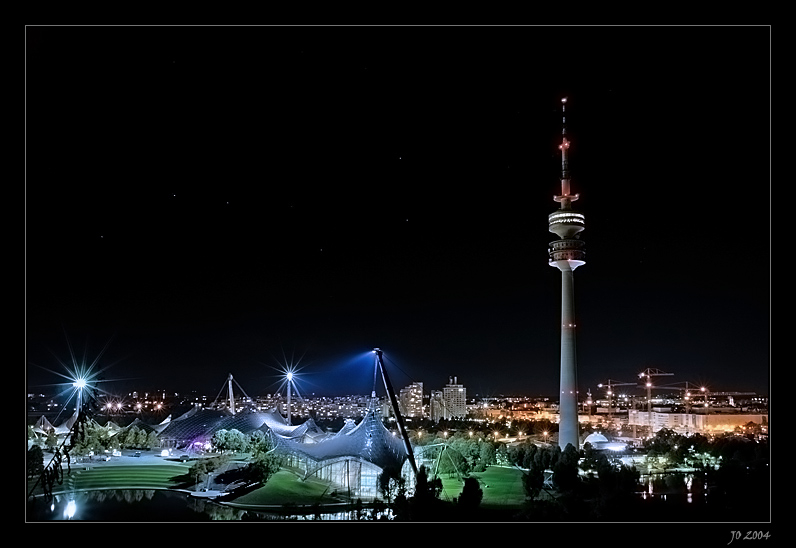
{"x": 567, "y": 253}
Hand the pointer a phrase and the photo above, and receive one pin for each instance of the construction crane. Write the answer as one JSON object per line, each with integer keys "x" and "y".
{"x": 688, "y": 390}
{"x": 649, "y": 373}
{"x": 686, "y": 396}
{"x": 609, "y": 392}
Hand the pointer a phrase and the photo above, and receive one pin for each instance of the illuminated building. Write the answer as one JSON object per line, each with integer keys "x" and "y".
{"x": 436, "y": 406}
{"x": 454, "y": 396}
{"x": 567, "y": 254}
{"x": 695, "y": 422}
{"x": 411, "y": 400}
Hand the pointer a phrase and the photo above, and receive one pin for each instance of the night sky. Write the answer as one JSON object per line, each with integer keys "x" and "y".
{"x": 213, "y": 200}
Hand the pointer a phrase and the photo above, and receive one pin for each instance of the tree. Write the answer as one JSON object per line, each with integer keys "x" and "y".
{"x": 152, "y": 440}
{"x": 262, "y": 467}
{"x": 425, "y": 503}
{"x": 487, "y": 453}
{"x": 530, "y": 453}
{"x": 565, "y": 470}
{"x": 533, "y": 481}
{"x": 452, "y": 462}
{"x": 264, "y": 462}
{"x": 232, "y": 440}
{"x": 199, "y": 470}
{"x": 238, "y": 441}
{"x": 391, "y": 484}
{"x": 590, "y": 457}
{"x": 141, "y": 438}
{"x": 471, "y": 495}
{"x": 35, "y": 461}
{"x": 130, "y": 436}
{"x": 52, "y": 439}
{"x": 468, "y": 447}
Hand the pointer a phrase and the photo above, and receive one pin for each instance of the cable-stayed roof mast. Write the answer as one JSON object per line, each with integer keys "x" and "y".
{"x": 398, "y": 418}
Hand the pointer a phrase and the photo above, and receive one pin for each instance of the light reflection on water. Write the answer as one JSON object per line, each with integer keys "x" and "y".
{"x": 117, "y": 505}
{"x": 131, "y": 505}
{"x": 681, "y": 486}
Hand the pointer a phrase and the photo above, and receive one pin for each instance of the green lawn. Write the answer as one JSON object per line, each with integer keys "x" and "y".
{"x": 285, "y": 488}
{"x": 502, "y": 487}
{"x": 504, "y": 490}
{"x": 154, "y": 476}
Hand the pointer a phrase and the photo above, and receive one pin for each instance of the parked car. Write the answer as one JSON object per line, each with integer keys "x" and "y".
{"x": 184, "y": 458}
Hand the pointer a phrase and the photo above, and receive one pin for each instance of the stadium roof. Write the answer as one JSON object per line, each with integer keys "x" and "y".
{"x": 370, "y": 440}
{"x": 201, "y": 423}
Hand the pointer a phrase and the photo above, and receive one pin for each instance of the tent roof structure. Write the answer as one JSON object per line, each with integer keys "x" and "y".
{"x": 370, "y": 440}
{"x": 43, "y": 425}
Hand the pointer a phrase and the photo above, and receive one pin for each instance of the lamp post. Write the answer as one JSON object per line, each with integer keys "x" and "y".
{"x": 289, "y": 382}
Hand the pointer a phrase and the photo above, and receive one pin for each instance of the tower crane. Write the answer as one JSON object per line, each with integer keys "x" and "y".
{"x": 609, "y": 392}
{"x": 649, "y": 373}
{"x": 688, "y": 395}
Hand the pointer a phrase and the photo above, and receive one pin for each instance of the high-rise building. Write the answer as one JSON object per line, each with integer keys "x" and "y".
{"x": 436, "y": 406}
{"x": 454, "y": 396}
{"x": 410, "y": 400}
{"x": 567, "y": 254}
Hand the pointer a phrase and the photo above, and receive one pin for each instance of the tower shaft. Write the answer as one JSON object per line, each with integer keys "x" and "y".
{"x": 568, "y": 405}
{"x": 567, "y": 254}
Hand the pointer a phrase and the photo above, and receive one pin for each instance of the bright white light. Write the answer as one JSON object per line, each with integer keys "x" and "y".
{"x": 290, "y": 375}
{"x": 80, "y": 375}
{"x": 70, "y": 510}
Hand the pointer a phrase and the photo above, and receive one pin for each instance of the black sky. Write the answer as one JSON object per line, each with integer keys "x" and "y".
{"x": 207, "y": 198}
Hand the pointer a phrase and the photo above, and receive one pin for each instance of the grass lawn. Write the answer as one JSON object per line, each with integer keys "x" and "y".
{"x": 502, "y": 487}
{"x": 505, "y": 490}
{"x": 285, "y": 488}
{"x": 156, "y": 476}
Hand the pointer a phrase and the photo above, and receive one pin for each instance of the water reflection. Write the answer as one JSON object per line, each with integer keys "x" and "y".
{"x": 115, "y": 505}
{"x": 130, "y": 505}
{"x": 682, "y": 486}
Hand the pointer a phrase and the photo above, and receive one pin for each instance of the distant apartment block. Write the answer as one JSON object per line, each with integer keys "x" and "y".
{"x": 410, "y": 400}
{"x": 450, "y": 403}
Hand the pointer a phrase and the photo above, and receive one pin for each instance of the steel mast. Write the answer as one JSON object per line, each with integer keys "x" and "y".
{"x": 398, "y": 418}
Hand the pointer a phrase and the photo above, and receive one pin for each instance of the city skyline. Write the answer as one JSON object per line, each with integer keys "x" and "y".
{"x": 214, "y": 201}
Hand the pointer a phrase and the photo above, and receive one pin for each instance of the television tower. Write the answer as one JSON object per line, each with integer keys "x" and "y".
{"x": 567, "y": 254}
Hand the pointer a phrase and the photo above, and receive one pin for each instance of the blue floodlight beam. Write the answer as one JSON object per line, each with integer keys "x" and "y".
{"x": 394, "y": 402}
